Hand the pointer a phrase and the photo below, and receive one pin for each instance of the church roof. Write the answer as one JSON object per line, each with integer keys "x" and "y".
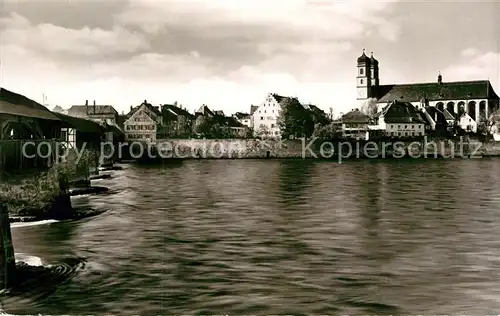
{"x": 401, "y": 112}
{"x": 480, "y": 89}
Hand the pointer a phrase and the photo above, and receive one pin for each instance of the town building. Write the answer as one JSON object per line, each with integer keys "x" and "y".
{"x": 176, "y": 121}
{"x": 244, "y": 118}
{"x": 97, "y": 113}
{"x": 475, "y": 99}
{"x": 142, "y": 123}
{"x": 355, "y": 124}
{"x": 399, "y": 119}
{"x": 265, "y": 116}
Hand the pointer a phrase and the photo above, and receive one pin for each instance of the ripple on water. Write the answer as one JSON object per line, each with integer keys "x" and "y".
{"x": 283, "y": 237}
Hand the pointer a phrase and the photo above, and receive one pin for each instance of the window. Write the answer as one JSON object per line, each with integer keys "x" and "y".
{"x": 406, "y": 126}
{"x": 265, "y": 111}
{"x": 361, "y": 72}
{"x": 261, "y": 117}
{"x": 272, "y": 125}
{"x": 413, "y": 127}
{"x": 392, "y": 126}
{"x": 361, "y": 81}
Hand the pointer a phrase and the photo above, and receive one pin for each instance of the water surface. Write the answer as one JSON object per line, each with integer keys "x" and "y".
{"x": 280, "y": 237}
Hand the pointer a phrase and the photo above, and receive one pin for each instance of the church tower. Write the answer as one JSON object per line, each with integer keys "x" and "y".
{"x": 363, "y": 86}
{"x": 374, "y": 76}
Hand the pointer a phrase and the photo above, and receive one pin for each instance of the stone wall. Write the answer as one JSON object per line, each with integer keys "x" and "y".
{"x": 250, "y": 148}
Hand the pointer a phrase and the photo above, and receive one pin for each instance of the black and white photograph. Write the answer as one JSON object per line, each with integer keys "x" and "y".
{"x": 250, "y": 157}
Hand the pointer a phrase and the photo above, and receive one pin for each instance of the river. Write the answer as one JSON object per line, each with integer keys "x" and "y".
{"x": 243, "y": 237}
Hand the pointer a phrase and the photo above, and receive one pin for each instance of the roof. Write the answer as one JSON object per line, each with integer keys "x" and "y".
{"x": 120, "y": 120}
{"x": 373, "y": 61}
{"x": 278, "y": 97}
{"x": 113, "y": 129}
{"x": 205, "y": 110}
{"x": 436, "y": 91}
{"x": 80, "y": 124}
{"x": 448, "y": 115}
{"x": 219, "y": 112}
{"x": 241, "y": 115}
{"x": 19, "y": 105}
{"x": 355, "y": 116}
{"x": 438, "y": 116}
{"x": 176, "y": 110}
{"x": 363, "y": 58}
{"x": 148, "y": 105}
{"x": 253, "y": 108}
{"x": 228, "y": 121}
{"x": 401, "y": 112}
{"x": 92, "y": 109}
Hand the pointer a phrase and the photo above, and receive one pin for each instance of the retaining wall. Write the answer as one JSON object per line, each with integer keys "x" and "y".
{"x": 250, "y": 148}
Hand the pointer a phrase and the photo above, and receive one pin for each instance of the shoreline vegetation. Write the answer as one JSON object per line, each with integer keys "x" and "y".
{"x": 46, "y": 195}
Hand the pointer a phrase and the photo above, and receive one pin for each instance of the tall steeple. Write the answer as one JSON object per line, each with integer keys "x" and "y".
{"x": 374, "y": 71}
{"x": 363, "y": 78}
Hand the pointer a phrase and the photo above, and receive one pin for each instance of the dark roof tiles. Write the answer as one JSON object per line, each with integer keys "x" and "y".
{"x": 19, "y": 105}
{"x": 355, "y": 116}
{"x": 436, "y": 91}
{"x": 401, "y": 112}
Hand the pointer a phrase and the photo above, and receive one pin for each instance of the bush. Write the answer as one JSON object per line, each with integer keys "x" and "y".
{"x": 35, "y": 196}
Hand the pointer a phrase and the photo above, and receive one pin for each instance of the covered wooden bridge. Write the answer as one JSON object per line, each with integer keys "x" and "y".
{"x": 22, "y": 120}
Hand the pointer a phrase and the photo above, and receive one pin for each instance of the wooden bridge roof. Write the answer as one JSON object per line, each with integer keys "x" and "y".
{"x": 15, "y": 104}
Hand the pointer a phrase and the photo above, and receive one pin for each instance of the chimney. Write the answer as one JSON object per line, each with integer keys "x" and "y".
{"x": 440, "y": 78}
{"x": 87, "y": 106}
{"x": 94, "y": 106}
{"x": 131, "y": 108}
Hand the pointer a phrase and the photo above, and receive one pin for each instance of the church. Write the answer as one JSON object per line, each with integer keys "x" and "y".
{"x": 477, "y": 99}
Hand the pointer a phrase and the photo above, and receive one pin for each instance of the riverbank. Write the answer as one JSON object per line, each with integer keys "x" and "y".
{"x": 317, "y": 149}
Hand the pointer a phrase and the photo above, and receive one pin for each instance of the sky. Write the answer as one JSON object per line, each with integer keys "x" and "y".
{"x": 230, "y": 54}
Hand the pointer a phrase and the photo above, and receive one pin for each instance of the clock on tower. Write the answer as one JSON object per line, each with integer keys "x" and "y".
{"x": 362, "y": 93}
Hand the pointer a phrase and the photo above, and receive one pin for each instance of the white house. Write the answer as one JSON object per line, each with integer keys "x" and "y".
{"x": 265, "y": 116}
{"x": 467, "y": 123}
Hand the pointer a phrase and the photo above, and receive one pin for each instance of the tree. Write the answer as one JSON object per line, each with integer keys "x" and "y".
{"x": 202, "y": 125}
{"x": 218, "y": 131}
{"x": 329, "y": 131}
{"x": 263, "y": 132}
{"x": 485, "y": 124}
{"x": 369, "y": 107}
{"x": 294, "y": 120}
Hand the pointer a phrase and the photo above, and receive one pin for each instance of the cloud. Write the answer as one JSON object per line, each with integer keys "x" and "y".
{"x": 52, "y": 39}
{"x": 227, "y": 54}
{"x": 476, "y": 66}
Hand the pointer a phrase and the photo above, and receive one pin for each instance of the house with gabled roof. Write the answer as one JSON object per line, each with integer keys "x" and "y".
{"x": 476, "y": 98}
{"x": 176, "y": 121}
{"x": 243, "y": 118}
{"x": 142, "y": 123}
{"x": 355, "y": 125}
{"x": 265, "y": 116}
{"x": 95, "y": 112}
{"x": 400, "y": 119}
